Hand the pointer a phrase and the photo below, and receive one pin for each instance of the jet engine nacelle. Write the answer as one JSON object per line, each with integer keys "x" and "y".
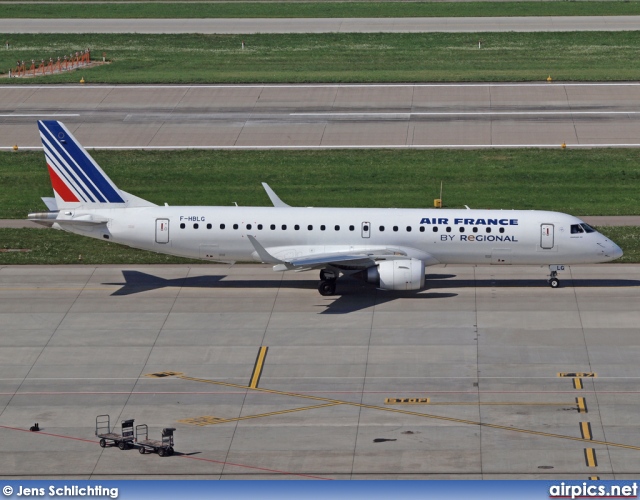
{"x": 397, "y": 274}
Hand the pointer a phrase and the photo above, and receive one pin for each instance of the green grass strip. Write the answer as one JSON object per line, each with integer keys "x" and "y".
{"x": 579, "y": 182}
{"x": 51, "y": 247}
{"x": 356, "y": 57}
{"x": 318, "y": 9}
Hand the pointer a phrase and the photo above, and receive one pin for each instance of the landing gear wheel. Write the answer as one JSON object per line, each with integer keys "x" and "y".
{"x": 103, "y": 443}
{"x": 162, "y": 452}
{"x": 554, "y": 282}
{"x": 170, "y": 450}
{"x": 327, "y": 287}
{"x": 141, "y": 450}
{"x": 122, "y": 445}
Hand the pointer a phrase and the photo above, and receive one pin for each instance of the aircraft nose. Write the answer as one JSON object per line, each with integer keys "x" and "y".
{"x": 611, "y": 250}
{"x": 616, "y": 251}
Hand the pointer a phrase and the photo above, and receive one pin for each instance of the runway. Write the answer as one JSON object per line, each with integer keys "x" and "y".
{"x": 483, "y": 115}
{"x": 327, "y": 25}
{"x": 488, "y": 373}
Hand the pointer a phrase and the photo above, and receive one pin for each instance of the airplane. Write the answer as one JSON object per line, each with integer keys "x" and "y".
{"x": 388, "y": 248}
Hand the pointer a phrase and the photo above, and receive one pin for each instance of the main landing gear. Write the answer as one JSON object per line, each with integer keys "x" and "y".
{"x": 327, "y": 284}
{"x": 553, "y": 280}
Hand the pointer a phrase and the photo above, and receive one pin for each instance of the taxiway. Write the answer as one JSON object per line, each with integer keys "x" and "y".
{"x": 488, "y": 373}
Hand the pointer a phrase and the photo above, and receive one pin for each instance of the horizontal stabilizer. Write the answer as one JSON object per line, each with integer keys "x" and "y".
{"x": 50, "y": 218}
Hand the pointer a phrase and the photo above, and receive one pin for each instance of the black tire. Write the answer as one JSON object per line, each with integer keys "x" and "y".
{"x": 141, "y": 450}
{"x": 122, "y": 445}
{"x": 327, "y": 287}
{"x": 103, "y": 443}
{"x": 161, "y": 452}
{"x": 170, "y": 450}
{"x": 554, "y": 283}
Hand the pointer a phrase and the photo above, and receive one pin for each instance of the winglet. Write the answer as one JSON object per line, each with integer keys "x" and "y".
{"x": 265, "y": 256}
{"x": 277, "y": 202}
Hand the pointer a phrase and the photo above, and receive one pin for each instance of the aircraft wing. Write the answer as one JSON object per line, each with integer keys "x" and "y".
{"x": 358, "y": 259}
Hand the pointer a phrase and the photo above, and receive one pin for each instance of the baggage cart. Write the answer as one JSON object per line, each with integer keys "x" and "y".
{"x": 164, "y": 447}
{"x": 107, "y": 436}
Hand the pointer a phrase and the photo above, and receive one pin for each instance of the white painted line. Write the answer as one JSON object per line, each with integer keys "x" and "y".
{"x": 325, "y": 85}
{"x": 469, "y": 113}
{"x": 16, "y": 115}
{"x": 346, "y": 146}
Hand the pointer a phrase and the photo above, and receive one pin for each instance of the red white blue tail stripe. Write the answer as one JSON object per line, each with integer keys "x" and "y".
{"x": 75, "y": 176}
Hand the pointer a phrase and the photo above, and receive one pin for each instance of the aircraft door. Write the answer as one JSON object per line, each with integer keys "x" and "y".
{"x": 162, "y": 230}
{"x": 546, "y": 236}
{"x": 366, "y": 229}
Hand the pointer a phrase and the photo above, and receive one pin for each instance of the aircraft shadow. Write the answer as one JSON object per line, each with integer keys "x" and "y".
{"x": 353, "y": 295}
{"x": 530, "y": 283}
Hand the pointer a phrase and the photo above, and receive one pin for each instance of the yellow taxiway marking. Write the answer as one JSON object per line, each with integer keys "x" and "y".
{"x": 594, "y": 478}
{"x": 578, "y": 374}
{"x": 585, "y": 430}
{"x": 582, "y": 405}
{"x": 210, "y": 420}
{"x": 414, "y": 413}
{"x": 406, "y": 401}
{"x": 257, "y": 369}
{"x": 590, "y": 457}
{"x": 201, "y": 421}
{"x": 577, "y": 383}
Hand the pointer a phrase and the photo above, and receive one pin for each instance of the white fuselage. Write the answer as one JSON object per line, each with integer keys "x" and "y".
{"x": 434, "y": 236}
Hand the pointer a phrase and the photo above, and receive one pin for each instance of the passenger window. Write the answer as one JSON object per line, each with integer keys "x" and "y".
{"x": 182, "y": 226}
{"x": 323, "y": 227}
{"x": 221, "y": 226}
{"x": 195, "y": 226}
{"x": 381, "y": 228}
{"x": 395, "y": 228}
{"x": 448, "y": 229}
{"x": 209, "y": 226}
{"x": 461, "y": 229}
{"x": 259, "y": 227}
{"x": 351, "y": 228}
{"x": 502, "y": 230}
{"x": 337, "y": 228}
{"x": 435, "y": 229}
{"x": 296, "y": 227}
{"x": 235, "y": 226}
{"x": 488, "y": 230}
{"x": 475, "y": 229}
{"x": 248, "y": 226}
{"x": 310, "y": 227}
{"x": 422, "y": 229}
{"x": 284, "y": 227}
{"x": 408, "y": 229}
{"x": 273, "y": 227}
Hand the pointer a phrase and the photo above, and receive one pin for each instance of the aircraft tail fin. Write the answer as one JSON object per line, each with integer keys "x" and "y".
{"x": 77, "y": 180}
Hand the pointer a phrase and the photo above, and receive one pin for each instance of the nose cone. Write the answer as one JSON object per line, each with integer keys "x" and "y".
{"x": 611, "y": 250}
{"x": 616, "y": 251}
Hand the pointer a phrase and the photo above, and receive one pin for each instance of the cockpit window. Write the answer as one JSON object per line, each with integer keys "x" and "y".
{"x": 576, "y": 229}
{"x": 587, "y": 228}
